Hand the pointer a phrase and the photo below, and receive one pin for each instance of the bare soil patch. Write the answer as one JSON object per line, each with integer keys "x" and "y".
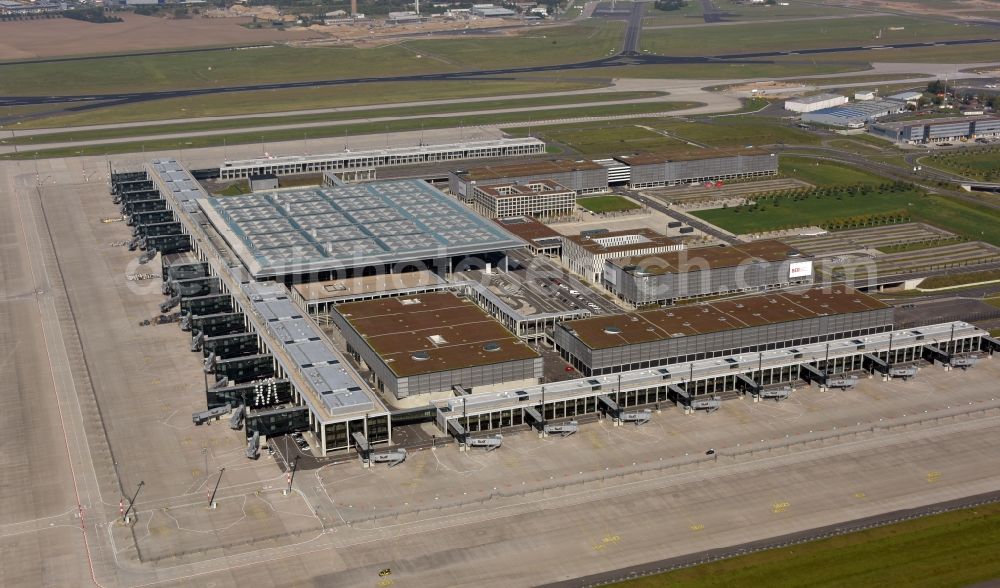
{"x": 64, "y": 37}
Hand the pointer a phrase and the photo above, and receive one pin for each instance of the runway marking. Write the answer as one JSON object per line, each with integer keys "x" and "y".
{"x": 606, "y": 541}
{"x": 780, "y": 507}
{"x": 860, "y": 495}
{"x": 933, "y": 477}
{"x": 697, "y": 527}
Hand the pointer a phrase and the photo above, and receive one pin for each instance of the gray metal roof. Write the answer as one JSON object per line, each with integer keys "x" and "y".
{"x": 315, "y": 360}
{"x": 314, "y": 229}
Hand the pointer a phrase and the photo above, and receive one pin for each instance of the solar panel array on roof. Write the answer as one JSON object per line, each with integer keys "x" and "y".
{"x": 351, "y": 226}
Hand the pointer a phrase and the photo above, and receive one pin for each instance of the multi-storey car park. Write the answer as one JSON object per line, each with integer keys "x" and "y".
{"x": 378, "y": 158}
{"x": 432, "y": 342}
{"x": 635, "y": 171}
{"x": 652, "y": 170}
{"x": 581, "y": 176}
{"x": 266, "y": 353}
{"x": 938, "y": 130}
{"x": 666, "y": 278}
{"x": 539, "y": 198}
{"x": 665, "y": 336}
{"x": 337, "y": 231}
{"x": 585, "y": 254}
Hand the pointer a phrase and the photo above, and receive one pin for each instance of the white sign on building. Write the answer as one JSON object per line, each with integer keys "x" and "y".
{"x": 800, "y": 269}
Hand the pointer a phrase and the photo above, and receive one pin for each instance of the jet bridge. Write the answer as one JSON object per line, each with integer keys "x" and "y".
{"x": 639, "y": 417}
{"x": 746, "y": 384}
{"x": 935, "y": 354}
{"x": 875, "y": 364}
{"x": 200, "y": 418}
{"x": 707, "y": 404}
{"x": 811, "y": 373}
{"x": 253, "y": 446}
{"x": 562, "y": 429}
{"x": 491, "y": 443}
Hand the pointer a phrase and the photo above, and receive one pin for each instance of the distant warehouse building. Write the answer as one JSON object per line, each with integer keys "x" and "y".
{"x": 617, "y": 343}
{"x": 856, "y": 115}
{"x": 539, "y": 198}
{"x": 581, "y": 176}
{"x": 812, "y": 103}
{"x": 430, "y": 342}
{"x": 647, "y": 170}
{"x": 938, "y": 130}
{"x": 585, "y": 254}
{"x": 706, "y": 271}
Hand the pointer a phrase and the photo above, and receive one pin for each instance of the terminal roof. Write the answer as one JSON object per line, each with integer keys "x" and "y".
{"x": 432, "y": 332}
{"x": 318, "y": 229}
{"x": 603, "y": 332}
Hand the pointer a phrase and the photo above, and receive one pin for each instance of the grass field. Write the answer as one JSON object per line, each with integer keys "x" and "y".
{"x": 824, "y": 173}
{"x": 939, "y": 551}
{"x": 303, "y": 99}
{"x": 601, "y": 204}
{"x": 946, "y": 281}
{"x": 641, "y": 135}
{"x": 975, "y": 222}
{"x": 350, "y": 129}
{"x": 981, "y": 164}
{"x": 425, "y": 110}
{"x": 572, "y": 43}
{"x": 806, "y": 35}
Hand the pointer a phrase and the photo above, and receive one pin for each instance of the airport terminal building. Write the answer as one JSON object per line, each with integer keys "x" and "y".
{"x": 666, "y": 278}
{"x": 646, "y": 339}
{"x": 377, "y": 158}
{"x": 432, "y": 342}
{"x": 383, "y": 226}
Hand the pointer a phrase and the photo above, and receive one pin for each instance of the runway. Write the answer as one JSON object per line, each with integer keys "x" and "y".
{"x": 89, "y": 101}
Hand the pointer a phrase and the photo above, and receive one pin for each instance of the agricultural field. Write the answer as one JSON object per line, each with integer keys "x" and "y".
{"x": 806, "y": 35}
{"x": 981, "y": 164}
{"x": 57, "y": 37}
{"x": 602, "y": 204}
{"x": 962, "y": 543}
{"x": 858, "y": 206}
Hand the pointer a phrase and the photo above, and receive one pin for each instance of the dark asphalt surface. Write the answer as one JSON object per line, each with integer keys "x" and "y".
{"x": 88, "y": 101}
{"x": 686, "y": 561}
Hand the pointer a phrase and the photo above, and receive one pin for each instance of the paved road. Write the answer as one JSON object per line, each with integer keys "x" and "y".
{"x": 89, "y": 101}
